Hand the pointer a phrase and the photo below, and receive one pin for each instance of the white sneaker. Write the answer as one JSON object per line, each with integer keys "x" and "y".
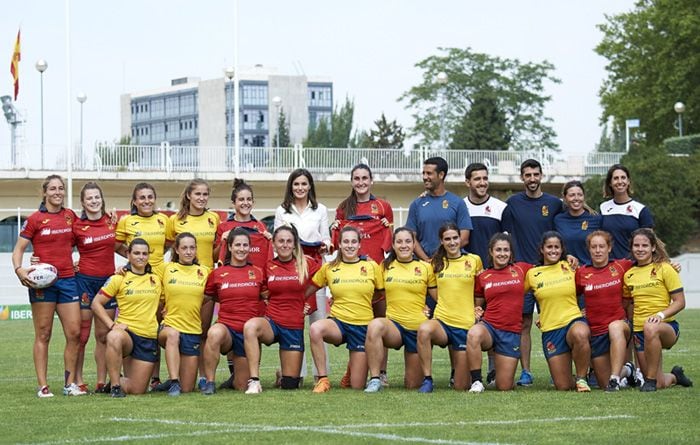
{"x": 639, "y": 377}
{"x": 73, "y": 390}
{"x": 477, "y": 387}
{"x": 44, "y": 392}
{"x": 384, "y": 378}
{"x": 254, "y": 387}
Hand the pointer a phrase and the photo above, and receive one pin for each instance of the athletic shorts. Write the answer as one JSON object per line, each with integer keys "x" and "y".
{"x": 504, "y": 342}
{"x": 88, "y": 287}
{"x": 145, "y": 349}
{"x": 530, "y": 303}
{"x": 190, "y": 344}
{"x": 600, "y": 345}
{"x": 288, "y": 339}
{"x": 408, "y": 338}
{"x": 353, "y": 335}
{"x": 554, "y": 342}
{"x": 456, "y": 337}
{"x": 64, "y": 290}
{"x": 236, "y": 343}
{"x": 639, "y": 336}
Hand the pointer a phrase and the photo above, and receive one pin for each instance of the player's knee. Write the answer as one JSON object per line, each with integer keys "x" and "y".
{"x": 289, "y": 382}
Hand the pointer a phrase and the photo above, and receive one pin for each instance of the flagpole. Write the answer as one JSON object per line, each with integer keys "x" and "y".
{"x": 69, "y": 129}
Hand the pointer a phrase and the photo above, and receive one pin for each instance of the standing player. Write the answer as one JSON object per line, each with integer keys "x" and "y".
{"x": 577, "y": 221}
{"x": 622, "y": 215}
{"x": 528, "y": 215}
{"x": 486, "y": 212}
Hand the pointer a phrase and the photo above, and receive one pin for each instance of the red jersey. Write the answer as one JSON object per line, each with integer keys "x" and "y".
{"x": 602, "y": 290}
{"x": 95, "y": 242}
{"x": 237, "y": 289}
{"x": 286, "y": 296}
{"x": 376, "y": 237}
{"x": 503, "y": 290}
{"x": 51, "y": 235}
{"x": 260, "y": 246}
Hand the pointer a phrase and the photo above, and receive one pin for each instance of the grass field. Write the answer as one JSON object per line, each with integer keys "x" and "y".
{"x": 537, "y": 414}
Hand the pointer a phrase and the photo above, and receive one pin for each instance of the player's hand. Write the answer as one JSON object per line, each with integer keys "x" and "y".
{"x": 385, "y": 222}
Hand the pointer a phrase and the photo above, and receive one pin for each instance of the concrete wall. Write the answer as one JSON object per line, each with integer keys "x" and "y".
{"x": 212, "y": 120}
{"x": 293, "y": 91}
{"x": 125, "y": 108}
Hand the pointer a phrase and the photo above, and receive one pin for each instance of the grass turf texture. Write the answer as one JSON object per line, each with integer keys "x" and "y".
{"x": 537, "y": 414}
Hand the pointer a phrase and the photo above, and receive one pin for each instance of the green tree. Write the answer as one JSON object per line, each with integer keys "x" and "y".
{"x": 519, "y": 89}
{"x": 319, "y": 135}
{"x": 386, "y": 134}
{"x": 483, "y": 126}
{"x": 282, "y": 130}
{"x": 336, "y": 133}
{"x": 611, "y": 141}
{"x": 653, "y": 57}
{"x": 360, "y": 139}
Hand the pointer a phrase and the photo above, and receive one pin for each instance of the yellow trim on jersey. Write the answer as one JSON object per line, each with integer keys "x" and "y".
{"x": 554, "y": 287}
{"x": 405, "y": 285}
{"x": 183, "y": 288}
{"x": 651, "y": 287}
{"x": 137, "y": 299}
{"x": 455, "y": 289}
{"x": 151, "y": 228}
{"x": 352, "y": 286}
{"x": 203, "y": 227}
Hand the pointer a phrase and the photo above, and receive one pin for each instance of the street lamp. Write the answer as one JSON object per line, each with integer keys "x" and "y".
{"x": 230, "y": 73}
{"x": 41, "y": 66}
{"x": 679, "y": 107}
{"x": 81, "y": 97}
{"x": 277, "y": 102}
{"x": 441, "y": 80}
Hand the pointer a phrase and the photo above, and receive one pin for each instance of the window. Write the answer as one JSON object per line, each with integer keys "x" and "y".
{"x": 254, "y": 94}
{"x": 172, "y": 130}
{"x": 172, "y": 106}
{"x": 320, "y": 96}
{"x": 187, "y": 104}
{"x": 158, "y": 132}
{"x": 157, "y": 108}
{"x": 255, "y": 120}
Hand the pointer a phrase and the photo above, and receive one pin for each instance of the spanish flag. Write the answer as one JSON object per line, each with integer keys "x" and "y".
{"x": 14, "y": 65}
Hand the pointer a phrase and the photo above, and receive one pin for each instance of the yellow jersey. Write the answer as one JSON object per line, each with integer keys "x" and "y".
{"x": 183, "y": 292}
{"x": 151, "y": 228}
{"x": 554, "y": 287}
{"x": 455, "y": 289}
{"x": 405, "y": 285}
{"x": 137, "y": 297}
{"x": 203, "y": 227}
{"x": 352, "y": 286}
{"x": 651, "y": 287}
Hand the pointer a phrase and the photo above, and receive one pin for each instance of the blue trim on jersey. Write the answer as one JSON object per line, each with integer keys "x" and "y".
{"x": 486, "y": 219}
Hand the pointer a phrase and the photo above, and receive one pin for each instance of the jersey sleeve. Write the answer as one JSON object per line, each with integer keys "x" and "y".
{"x": 111, "y": 288}
{"x": 120, "y": 234}
{"x": 319, "y": 278}
{"x": 672, "y": 280}
{"x": 646, "y": 219}
{"x": 210, "y": 288}
{"x": 464, "y": 221}
{"x": 170, "y": 227}
{"x": 507, "y": 219}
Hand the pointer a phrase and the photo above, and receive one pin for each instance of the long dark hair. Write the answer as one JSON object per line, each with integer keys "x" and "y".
{"x": 339, "y": 258}
{"x": 180, "y": 236}
{"x": 607, "y": 186}
{"x": 551, "y": 234}
{"x": 139, "y": 242}
{"x": 349, "y": 204}
{"x": 289, "y": 195}
{"x": 92, "y": 186}
{"x": 392, "y": 253}
{"x": 238, "y": 186}
{"x": 45, "y": 185}
{"x": 658, "y": 254}
{"x": 500, "y": 236}
{"x": 579, "y": 184}
{"x": 137, "y": 188}
{"x": 440, "y": 257}
{"x": 238, "y": 231}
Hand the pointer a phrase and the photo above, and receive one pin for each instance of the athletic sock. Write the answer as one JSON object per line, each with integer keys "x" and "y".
{"x": 255, "y": 379}
{"x": 230, "y": 366}
{"x": 173, "y": 381}
{"x": 615, "y": 377}
{"x": 429, "y": 377}
{"x": 476, "y": 375}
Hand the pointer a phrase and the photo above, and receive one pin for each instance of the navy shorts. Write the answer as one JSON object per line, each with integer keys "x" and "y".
{"x": 236, "y": 343}
{"x": 64, "y": 290}
{"x": 530, "y": 303}
{"x": 145, "y": 349}
{"x": 190, "y": 344}
{"x": 353, "y": 335}
{"x": 408, "y": 338}
{"x": 554, "y": 342}
{"x": 639, "y": 336}
{"x": 88, "y": 287}
{"x": 456, "y": 337}
{"x": 288, "y": 339}
{"x": 600, "y": 345}
{"x": 504, "y": 342}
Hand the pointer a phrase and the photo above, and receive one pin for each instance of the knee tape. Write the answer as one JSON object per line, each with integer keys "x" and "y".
{"x": 290, "y": 382}
{"x": 85, "y": 331}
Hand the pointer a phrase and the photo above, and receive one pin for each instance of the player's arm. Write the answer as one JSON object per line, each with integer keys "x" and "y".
{"x": 464, "y": 237}
{"x": 17, "y": 255}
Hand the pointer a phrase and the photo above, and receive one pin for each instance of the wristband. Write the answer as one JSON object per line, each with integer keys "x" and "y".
{"x": 660, "y": 315}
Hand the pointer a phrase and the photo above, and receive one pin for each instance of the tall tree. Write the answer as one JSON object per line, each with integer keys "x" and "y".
{"x": 519, "y": 89}
{"x": 386, "y": 134}
{"x": 653, "y": 57}
{"x": 282, "y": 130}
{"x": 611, "y": 141}
{"x": 483, "y": 126}
{"x": 336, "y": 133}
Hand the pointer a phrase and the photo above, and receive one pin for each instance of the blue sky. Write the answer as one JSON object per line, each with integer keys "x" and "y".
{"x": 368, "y": 48}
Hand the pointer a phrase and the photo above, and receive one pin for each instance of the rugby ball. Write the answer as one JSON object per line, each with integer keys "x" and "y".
{"x": 43, "y": 275}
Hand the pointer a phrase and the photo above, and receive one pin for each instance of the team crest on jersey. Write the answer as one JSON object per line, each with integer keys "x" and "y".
{"x": 69, "y": 220}
{"x": 417, "y": 272}
{"x": 551, "y": 349}
{"x": 629, "y": 209}
{"x": 199, "y": 273}
{"x": 545, "y": 211}
{"x": 613, "y": 271}
{"x": 211, "y": 223}
{"x": 487, "y": 210}
{"x": 467, "y": 265}
{"x": 445, "y": 204}
{"x": 160, "y": 223}
{"x": 563, "y": 267}
{"x": 652, "y": 274}
{"x": 153, "y": 281}
{"x": 513, "y": 272}
{"x": 374, "y": 208}
{"x": 363, "y": 271}
{"x": 84, "y": 299}
{"x": 584, "y": 225}
{"x": 251, "y": 274}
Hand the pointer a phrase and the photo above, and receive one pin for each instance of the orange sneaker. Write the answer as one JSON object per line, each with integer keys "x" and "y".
{"x": 345, "y": 381}
{"x": 323, "y": 385}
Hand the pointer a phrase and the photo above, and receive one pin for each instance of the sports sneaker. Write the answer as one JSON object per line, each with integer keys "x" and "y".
{"x": 73, "y": 390}
{"x": 426, "y": 386}
{"x": 44, "y": 392}
{"x": 155, "y": 381}
{"x": 648, "y": 387}
{"x": 592, "y": 380}
{"x": 526, "y": 378}
{"x": 174, "y": 390}
{"x": 624, "y": 384}
{"x": 681, "y": 378}
{"x": 228, "y": 384}
{"x": 374, "y": 385}
{"x": 201, "y": 383}
{"x": 254, "y": 387}
{"x": 117, "y": 392}
{"x": 209, "y": 389}
{"x": 582, "y": 385}
{"x": 630, "y": 369}
{"x": 491, "y": 378}
{"x": 345, "y": 381}
{"x": 613, "y": 385}
{"x": 323, "y": 385}
{"x": 477, "y": 386}
{"x": 162, "y": 387}
{"x": 84, "y": 387}
{"x": 638, "y": 379}
{"x": 384, "y": 378}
